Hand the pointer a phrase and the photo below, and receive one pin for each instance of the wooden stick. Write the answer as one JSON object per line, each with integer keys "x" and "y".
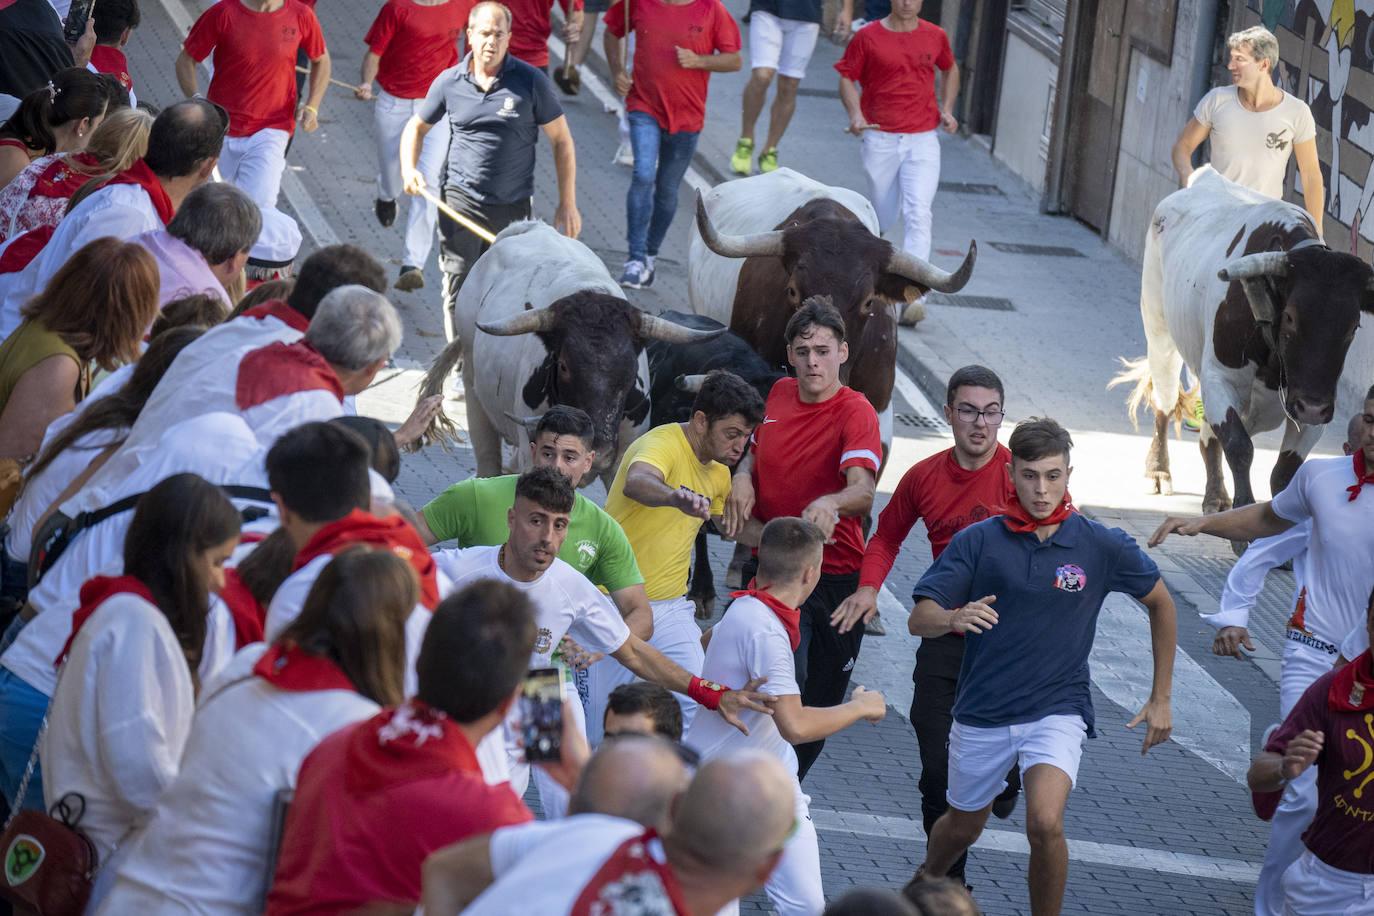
{"x": 476, "y": 229}
{"x": 349, "y": 86}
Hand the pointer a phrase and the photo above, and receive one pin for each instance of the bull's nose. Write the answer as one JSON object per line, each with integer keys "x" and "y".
{"x": 1312, "y": 411}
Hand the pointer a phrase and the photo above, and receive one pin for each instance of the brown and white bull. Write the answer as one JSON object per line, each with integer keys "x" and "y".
{"x": 1241, "y": 288}
{"x": 539, "y": 322}
{"x": 763, "y": 245}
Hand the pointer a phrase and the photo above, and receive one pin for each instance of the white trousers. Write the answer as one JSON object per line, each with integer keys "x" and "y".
{"x": 1313, "y": 888}
{"x": 677, "y": 636}
{"x": 1302, "y": 664}
{"x": 795, "y": 886}
{"x": 903, "y": 173}
{"x": 254, "y": 164}
{"x": 392, "y": 113}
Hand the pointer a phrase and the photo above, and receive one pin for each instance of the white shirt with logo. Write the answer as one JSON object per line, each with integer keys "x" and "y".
{"x": 1252, "y": 148}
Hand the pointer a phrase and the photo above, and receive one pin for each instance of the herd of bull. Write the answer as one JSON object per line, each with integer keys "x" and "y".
{"x": 1237, "y": 286}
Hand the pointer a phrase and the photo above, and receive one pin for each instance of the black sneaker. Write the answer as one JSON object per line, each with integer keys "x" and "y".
{"x": 386, "y": 212}
{"x": 411, "y": 279}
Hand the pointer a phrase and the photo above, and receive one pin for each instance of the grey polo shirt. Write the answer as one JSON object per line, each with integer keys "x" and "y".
{"x": 491, "y": 155}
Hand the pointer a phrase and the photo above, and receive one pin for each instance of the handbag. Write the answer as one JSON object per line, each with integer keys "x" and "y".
{"x": 48, "y": 863}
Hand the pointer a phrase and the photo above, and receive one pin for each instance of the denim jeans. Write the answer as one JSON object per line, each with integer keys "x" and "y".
{"x": 661, "y": 159}
{"x": 21, "y": 714}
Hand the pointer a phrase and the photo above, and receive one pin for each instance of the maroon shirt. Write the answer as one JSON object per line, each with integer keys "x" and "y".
{"x": 1342, "y": 831}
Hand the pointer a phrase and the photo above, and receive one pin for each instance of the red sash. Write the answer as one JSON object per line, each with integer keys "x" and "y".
{"x": 404, "y": 744}
{"x": 280, "y": 369}
{"x": 290, "y": 667}
{"x": 94, "y": 593}
{"x": 276, "y": 308}
{"x": 21, "y": 252}
{"x": 393, "y": 533}
{"x": 789, "y": 616}
{"x": 141, "y": 175}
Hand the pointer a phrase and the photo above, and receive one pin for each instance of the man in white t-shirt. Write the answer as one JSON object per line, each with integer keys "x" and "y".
{"x": 756, "y": 639}
{"x": 569, "y": 605}
{"x": 1254, "y": 126}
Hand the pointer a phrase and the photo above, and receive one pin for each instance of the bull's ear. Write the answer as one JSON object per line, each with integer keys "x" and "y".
{"x": 896, "y": 288}
{"x": 539, "y": 388}
{"x": 636, "y": 405}
{"x": 1367, "y": 296}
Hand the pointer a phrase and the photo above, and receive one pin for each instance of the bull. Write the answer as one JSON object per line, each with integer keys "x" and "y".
{"x": 575, "y": 341}
{"x": 1241, "y": 288}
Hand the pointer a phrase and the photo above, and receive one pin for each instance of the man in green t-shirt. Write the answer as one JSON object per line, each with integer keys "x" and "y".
{"x": 473, "y": 513}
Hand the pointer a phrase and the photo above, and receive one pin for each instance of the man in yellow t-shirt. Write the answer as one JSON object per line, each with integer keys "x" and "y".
{"x": 673, "y": 478}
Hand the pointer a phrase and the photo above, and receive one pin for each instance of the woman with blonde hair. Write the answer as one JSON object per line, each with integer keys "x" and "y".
{"x": 57, "y": 118}
{"x": 94, "y": 310}
{"x": 38, "y": 196}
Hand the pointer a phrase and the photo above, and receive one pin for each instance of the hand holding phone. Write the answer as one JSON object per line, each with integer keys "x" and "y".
{"x": 541, "y": 714}
{"x": 77, "y": 17}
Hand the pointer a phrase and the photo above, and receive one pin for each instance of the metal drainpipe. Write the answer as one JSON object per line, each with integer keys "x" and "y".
{"x": 1052, "y": 200}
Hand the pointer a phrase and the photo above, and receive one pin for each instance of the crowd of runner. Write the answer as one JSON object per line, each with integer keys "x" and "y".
{"x": 240, "y": 673}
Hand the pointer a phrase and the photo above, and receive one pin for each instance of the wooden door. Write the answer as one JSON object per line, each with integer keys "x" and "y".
{"x": 1096, "y": 130}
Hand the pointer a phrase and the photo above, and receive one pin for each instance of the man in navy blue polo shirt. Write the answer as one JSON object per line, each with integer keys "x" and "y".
{"x": 1023, "y": 691}
{"x": 496, "y": 105}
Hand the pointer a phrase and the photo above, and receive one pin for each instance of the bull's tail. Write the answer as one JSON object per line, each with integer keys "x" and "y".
{"x": 441, "y": 430}
{"x": 1136, "y": 372}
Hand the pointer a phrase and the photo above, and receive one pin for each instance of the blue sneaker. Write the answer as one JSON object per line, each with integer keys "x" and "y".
{"x": 637, "y": 275}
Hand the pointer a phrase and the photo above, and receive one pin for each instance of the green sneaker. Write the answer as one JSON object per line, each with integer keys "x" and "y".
{"x": 768, "y": 160}
{"x": 744, "y": 152}
{"x": 1194, "y": 423}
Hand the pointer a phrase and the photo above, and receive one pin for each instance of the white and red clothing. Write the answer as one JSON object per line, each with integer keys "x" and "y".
{"x": 753, "y": 640}
{"x": 794, "y": 465}
{"x": 674, "y": 96}
{"x": 255, "y": 81}
{"x": 38, "y": 196}
{"x": 372, "y": 802}
{"x": 590, "y": 863}
{"x": 111, "y": 60}
{"x": 901, "y": 154}
{"x": 205, "y": 848}
{"x": 182, "y": 270}
{"x": 531, "y": 27}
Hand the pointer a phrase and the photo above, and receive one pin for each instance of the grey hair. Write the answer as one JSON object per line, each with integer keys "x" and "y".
{"x": 1261, "y": 43}
{"x": 218, "y": 220}
{"x": 488, "y": 4}
{"x": 354, "y": 327}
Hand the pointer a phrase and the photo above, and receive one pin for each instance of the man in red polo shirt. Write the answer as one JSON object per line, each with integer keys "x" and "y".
{"x": 375, "y": 799}
{"x": 409, "y": 44}
{"x": 531, "y": 27}
{"x": 816, "y": 456}
{"x": 678, "y": 45}
{"x": 949, "y": 491}
{"x": 255, "y": 44}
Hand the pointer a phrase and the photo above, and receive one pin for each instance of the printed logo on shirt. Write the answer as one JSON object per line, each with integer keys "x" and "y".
{"x": 586, "y": 552}
{"x": 544, "y": 641}
{"x": 1070, "y": 578}
{"x": 1277, "y": 140}
{"x": 23, "y": 858}
{"x": 1365, "y": 770}
{"x": 288, "y": 33}
{"x": 694, "y": 29}
{"x": 508, "y": 108}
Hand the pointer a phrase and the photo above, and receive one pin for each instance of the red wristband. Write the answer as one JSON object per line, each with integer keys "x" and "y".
{"x": 707, "y": 693}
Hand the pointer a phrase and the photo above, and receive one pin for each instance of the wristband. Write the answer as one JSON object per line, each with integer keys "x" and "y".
{"x": 312, "y": 109}
{"x": 707, "y": 693}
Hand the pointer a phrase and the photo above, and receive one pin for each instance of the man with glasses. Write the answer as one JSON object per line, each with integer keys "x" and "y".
{"x": 496, "y": 106}
{"x": 949, "y": 491}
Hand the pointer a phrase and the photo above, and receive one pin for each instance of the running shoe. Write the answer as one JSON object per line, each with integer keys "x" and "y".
{"x": 411, "y": 279}
{"x": 744, "y": 153}
{"x": 637, "y": 275}
{"x": 624, "y": 155}
{"x": 1194, "y": 423}
{"x": 768, "y": 159}
{"x": 386, "y": 212}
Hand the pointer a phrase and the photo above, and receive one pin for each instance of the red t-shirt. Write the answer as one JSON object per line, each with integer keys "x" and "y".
{"x": 111, "y": 60}
{"x": 1340, "y": 834}
{"x": 801, "y": 451}
{"x": 529, "y": 34}
{"x": 897, "y": 73}
{"x": 947, "y": 497}
{"x": 673, "y": 95}
{"x": 372, "y": 801}
{"x": 255, "y": 61}
{"x": 416, "y": 43}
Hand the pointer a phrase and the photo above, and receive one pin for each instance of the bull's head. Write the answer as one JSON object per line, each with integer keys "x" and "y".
{"x": 1307, "y": 303}
{"x": 593, "y": 342}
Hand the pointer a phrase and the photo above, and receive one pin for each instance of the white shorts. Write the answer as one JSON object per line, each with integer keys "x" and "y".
{"x": 784, "y": 45}
{"x": 980, "y": 757}
{"x": 1313, "y": 888}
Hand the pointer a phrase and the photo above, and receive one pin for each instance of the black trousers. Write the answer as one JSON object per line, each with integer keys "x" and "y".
{"x": 459, "y": 248}
{"x": 937, "y": 678}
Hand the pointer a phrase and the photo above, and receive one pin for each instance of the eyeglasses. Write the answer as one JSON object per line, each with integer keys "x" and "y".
{"x": 992, "y": 416}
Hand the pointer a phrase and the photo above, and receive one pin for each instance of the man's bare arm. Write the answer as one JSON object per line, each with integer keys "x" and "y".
{"x": 1313, "y": 188}
{"x": 1189, "y": 139}
{"x": 1156, "y": 713}
{"x": 633, "y": 604}
{"x": 455, "y": 875}
{"x": 1248, "y": 523}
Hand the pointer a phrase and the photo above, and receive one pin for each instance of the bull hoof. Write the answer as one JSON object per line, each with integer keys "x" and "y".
{"x": 1239, "y": 547}
{"x": 1214, "y": 504}
{"x": 1161, "y": 483}
{"x": 914, "y": 313}
{"x": 705, "y": 607}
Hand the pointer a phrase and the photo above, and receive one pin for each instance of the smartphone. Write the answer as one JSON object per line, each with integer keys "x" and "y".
{"x": 541, "y": 714}
{"x": 77, "y": 16}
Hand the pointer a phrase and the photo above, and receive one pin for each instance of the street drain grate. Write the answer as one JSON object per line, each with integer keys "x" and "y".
{"x": 1049, "y": 251}
{"x": 918, "y": 421}
{"x": 991, "y": 303}
{"x": 967, "y": 187}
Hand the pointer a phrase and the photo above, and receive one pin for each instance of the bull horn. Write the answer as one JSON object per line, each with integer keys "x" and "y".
{"x": 530, "y": 321}
{"x": 651, "y": 327}
{"x": 758, "y": 245}
{"x": 918, "y": 270}
{"x": 529, "y": 423}
{"x": 1263, "y": 264}
{"x": 691, "y": 383}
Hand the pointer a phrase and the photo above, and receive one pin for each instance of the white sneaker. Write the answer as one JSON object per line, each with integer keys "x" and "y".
{"x": 649, "y": 259}
{"x": 624, "y": 155}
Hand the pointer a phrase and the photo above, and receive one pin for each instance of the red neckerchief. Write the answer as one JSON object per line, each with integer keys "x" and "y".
{"x": 789, "y": 616}
{"x": 276, "y": 308}
{"x": 247, "y": 613}
{"x": 1352, "y": 689}
{"x": 94, "y": 593}
{"x": 141, "y": 175}
{"x": 64, "y": 176}
{"x": 405, "y": 743}
{"x": 393, "y": 533}
{"x": 112, "y": 61}
{"x": 290, "y": 667}
{"x": 1019, "y": 520}
{"x": 20, "y": 252}
{"x": 1361, "y": 478}
{"x": 632, "y": 861}
{"x": 279, "y": 369}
